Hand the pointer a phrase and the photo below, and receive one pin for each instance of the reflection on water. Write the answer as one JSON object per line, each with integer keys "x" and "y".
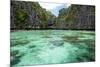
{"x": 52, "y": 46}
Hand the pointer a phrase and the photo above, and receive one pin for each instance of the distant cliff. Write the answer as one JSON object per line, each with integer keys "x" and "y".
{"x": 78, "y": 17}
{"x": 30, "y": 15}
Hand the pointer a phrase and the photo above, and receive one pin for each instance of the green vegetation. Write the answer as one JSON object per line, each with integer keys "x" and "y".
{"x": 29, "y": 15}
{"x": 21, "y": 17}
{"x": 78, "y": 17}
{"x": 51, "y": 46}
{"x": 32, "y": 15}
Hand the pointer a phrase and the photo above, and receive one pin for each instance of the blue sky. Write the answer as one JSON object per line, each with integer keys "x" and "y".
{"x": 53, "y": 7}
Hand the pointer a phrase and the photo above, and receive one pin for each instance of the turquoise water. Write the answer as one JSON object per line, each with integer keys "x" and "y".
{"x": 37, "y": 47}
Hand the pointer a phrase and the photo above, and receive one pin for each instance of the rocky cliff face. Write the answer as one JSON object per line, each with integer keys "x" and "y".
{"x": 21, "y": 7}
{"x": 79, "y": 17}
{"x": 32, "y": 15}
{"x": 85, "y": 17}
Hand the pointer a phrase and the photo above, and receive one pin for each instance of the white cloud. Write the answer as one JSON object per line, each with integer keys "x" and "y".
{"x": 88, "y": 2}
{"x": 53, "y": 7}
{"x": 49, "y": 6}
{"x": 44, "y": 0}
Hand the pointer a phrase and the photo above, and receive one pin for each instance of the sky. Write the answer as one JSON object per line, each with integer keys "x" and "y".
{"x": 53, "y": 7}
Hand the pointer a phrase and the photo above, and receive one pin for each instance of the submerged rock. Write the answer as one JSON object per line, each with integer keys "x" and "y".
{"x": 32, "y": 46}
{"x": 15, "y": 57}
{"x": 57, "y": 42}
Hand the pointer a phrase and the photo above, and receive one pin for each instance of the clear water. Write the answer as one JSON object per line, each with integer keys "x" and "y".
{"x": 51, "y": 47}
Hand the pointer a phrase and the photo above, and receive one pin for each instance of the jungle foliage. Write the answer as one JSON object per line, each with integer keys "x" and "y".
{"x": 32, "y": 15}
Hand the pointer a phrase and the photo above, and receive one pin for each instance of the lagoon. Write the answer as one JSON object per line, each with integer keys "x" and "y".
{"x": 35, "y": 47}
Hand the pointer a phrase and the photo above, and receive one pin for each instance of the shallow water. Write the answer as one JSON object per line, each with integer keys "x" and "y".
{"x": 51, "y": 47}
